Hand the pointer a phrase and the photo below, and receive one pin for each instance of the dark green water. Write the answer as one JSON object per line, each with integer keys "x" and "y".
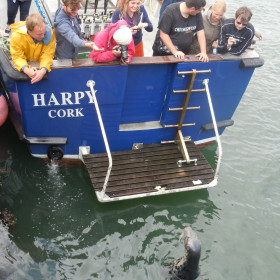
{"x": 63, "y": 232}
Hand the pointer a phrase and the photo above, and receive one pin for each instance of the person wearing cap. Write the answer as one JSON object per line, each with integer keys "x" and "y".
{"x": 115, "y": 35}
{"x": 32, "y": 40}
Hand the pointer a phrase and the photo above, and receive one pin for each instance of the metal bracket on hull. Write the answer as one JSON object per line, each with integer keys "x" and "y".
{"x": 83, "y": 150}
{"x": 45, "y": 140}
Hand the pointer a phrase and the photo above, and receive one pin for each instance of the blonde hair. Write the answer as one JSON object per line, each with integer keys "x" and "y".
{"x": 123, "y": 4}
{"x": 219, "y": 5}
{"x": 34, "y": 20}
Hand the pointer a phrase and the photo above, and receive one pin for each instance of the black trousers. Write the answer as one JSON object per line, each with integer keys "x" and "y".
{"x": 13, "y": 6}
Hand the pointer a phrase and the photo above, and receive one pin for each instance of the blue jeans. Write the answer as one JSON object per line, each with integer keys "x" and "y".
{"x": 13, "y": 7}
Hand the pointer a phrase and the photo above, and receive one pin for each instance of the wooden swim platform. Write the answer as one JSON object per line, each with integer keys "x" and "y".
{"x": 150, "y": 170}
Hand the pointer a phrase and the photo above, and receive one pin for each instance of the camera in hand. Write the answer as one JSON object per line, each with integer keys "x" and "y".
{"x": 124, "y": 54}
{"x": 235, "y": 41}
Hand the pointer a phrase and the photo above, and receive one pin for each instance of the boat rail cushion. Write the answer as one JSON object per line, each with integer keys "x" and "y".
{"x": 143, "y": 60}
{"x": 220, "y": 124}
{"x": 9, "y": 69}
{"x": 251, "y": 63}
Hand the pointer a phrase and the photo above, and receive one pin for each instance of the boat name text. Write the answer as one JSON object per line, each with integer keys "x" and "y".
{"x": 63, "y": 99}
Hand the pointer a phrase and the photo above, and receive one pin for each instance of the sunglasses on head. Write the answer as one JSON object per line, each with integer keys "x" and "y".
{"x": 240, "y": 23}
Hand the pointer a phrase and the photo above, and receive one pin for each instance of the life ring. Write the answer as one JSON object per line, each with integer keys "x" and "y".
{"x": 55, "y": 153}
{"x": 4, "y": 109}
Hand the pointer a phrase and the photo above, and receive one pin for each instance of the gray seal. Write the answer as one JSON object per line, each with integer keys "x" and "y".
{"x": 186, "y": 268}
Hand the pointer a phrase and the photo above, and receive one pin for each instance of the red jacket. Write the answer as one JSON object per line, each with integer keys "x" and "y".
{"x": 105, "y": 36}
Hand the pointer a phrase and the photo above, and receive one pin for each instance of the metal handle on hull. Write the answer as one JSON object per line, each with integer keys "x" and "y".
{"x": 205, "y": 82}
{"x": 91, "y": 85}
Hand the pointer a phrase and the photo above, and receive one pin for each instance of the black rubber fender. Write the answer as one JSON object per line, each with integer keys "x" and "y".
{"x": 9, "y": 69}
{"x": 251, "y": 63}
{"x": 55, "y": 153}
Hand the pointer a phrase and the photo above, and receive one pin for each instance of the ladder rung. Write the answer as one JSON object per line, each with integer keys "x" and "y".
{"x": 185, "y": 90}
{"x": 191, "y": 72}
{"x": 180, "y": 109}
{"x": 176, "y": 125}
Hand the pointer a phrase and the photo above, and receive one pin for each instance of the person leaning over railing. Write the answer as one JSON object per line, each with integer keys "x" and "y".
{"x": 137, "y": 19}
{"x": 212, "y": 21}
{"x": 176, "y": 28}
{"x": 32, "y": 40}
{"x": 116, "y": 42}
{"x": 236, "y": 33}
{"x": 68, "y": 31}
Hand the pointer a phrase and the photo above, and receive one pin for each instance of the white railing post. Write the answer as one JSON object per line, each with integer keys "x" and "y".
{"x": 91, "y": 84}
{"x": 205, "y": 82}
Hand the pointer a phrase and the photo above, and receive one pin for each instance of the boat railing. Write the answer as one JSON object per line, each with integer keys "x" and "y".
{"x": 249, "y": 60}
{"x": 91, "y": 84}
{"x": 205, "y": 83}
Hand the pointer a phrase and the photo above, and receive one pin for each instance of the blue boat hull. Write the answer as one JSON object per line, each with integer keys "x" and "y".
{"x": 134, "y": 102}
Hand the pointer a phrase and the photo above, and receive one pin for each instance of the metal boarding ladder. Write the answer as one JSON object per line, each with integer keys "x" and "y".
{"x": 179, "y": 138}
{"x": 101, "y": 194}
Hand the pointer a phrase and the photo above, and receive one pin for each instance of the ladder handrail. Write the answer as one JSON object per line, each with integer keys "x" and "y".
{"x": 205, "y": 82}
{"x": 91, "y": 84}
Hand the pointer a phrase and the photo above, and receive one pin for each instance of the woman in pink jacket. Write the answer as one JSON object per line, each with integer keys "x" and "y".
{"x": 114, "y": 40}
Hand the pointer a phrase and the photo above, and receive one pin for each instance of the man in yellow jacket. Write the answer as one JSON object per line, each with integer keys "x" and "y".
{"x": 32, "y": 40}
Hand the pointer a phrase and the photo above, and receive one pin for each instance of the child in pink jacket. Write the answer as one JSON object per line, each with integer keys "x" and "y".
{"x": 110, "y": 39}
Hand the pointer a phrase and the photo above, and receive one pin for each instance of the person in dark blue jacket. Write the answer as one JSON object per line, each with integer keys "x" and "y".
{"x": 137, "y": 18}
{"x": 236, "y": 33}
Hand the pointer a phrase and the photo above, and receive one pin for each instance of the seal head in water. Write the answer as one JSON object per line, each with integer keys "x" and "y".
{"x": 186, "y": 268}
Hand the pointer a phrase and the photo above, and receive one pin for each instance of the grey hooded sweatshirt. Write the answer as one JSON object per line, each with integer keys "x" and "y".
{"x": 68, "y": 35}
